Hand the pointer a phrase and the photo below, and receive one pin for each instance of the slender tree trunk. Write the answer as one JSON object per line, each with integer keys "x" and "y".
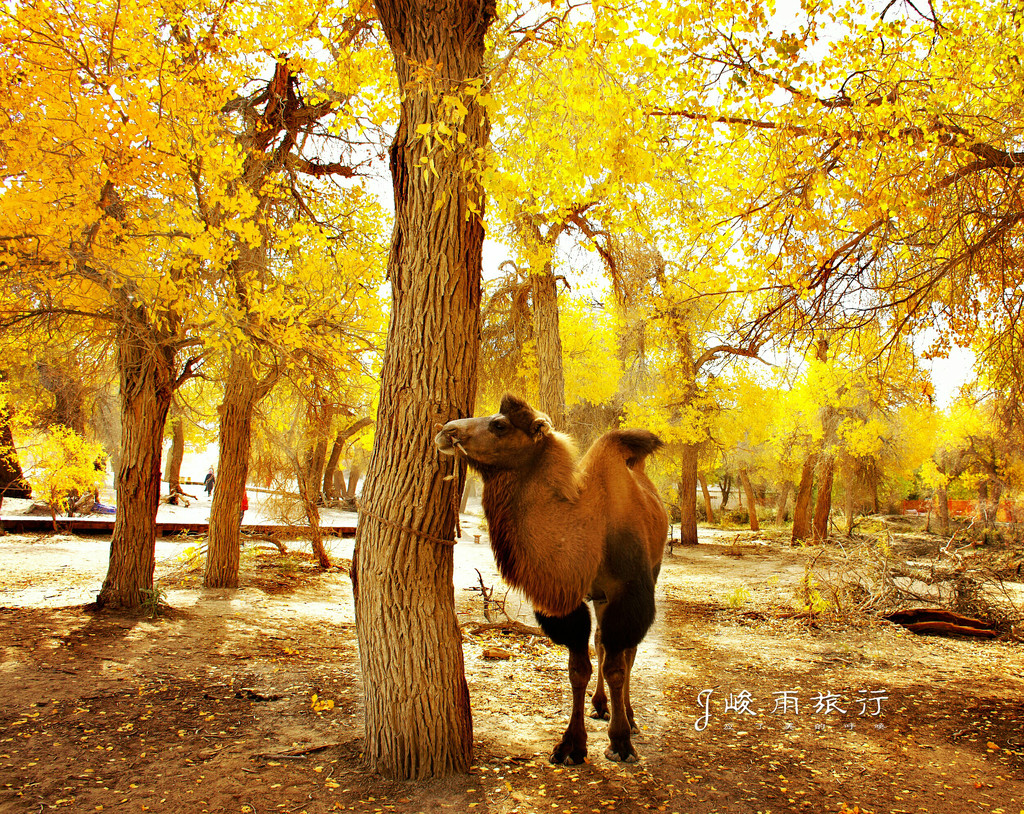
{"x": 316, "y": 461}
{"x": 172, "y": 473}
{"x": 725, "y": 489}
{"x": 241, "y": 394}
{"x": 709, "y": 508}
{"x": 331, "y": 470}
{"x": 748, "y": 487}
{"x": 147, "y": 385}
{"x": 107, "y": 423}
{"x": 12, "y": 479}
{"x": 823, "y": 505}
{"x": 780, "y": 507}
{"x": 65, "y": 382}
{"x": 330, "y": 481}
{"x": 942, "y": 498}
{"x": 354, "y": 474}
{"x": 850, "y": 508}
{"x": 307, "y": 473}
{"x": 688, "y": 495}
{"x": 417, "y": 715}
{"x": 549, "y": 346}
{"x": 802, "y": 507}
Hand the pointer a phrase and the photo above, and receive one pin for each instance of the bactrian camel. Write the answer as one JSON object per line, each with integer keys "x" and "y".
{"x": 564, "y": 532}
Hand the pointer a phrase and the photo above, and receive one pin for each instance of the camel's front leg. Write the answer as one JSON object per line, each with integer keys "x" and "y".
{"x": 573, "y": 631}
{"x": 616, "y": 670}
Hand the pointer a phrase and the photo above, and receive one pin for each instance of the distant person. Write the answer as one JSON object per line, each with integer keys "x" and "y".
{"x": 209, "y": 481}
{"x": 245, "y": 506}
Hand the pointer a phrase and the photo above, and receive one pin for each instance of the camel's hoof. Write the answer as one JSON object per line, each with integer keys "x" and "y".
{"x": 630, "y": 757}
{"x": 573, "y": 757}
{"x": 634, "y": 729}
{"x": 600, "y": 715}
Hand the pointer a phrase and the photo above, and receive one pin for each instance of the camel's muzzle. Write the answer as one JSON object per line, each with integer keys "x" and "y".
{"x": 448, "y": 441}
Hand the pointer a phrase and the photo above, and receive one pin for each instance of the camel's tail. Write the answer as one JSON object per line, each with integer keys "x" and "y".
{"x": 635, "y": 445}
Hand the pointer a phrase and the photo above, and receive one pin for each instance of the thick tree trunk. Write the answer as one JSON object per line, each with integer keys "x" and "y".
{"x": 549, "y": 347}
{"x": 748, "y": 487}
{"x": 780, "y": 507}
{"x": 802, "y": 507}
{"x": 147, "y": 385}
{"x": 688, "y": 495}
{"x": 709, "y": 508}
{"x": 176, "y": 454}
{"x": 942, "y": 498}
{"x": 417, "y": 714}
{"x": 236, "y": 411}
{"x": 823, "y": 504}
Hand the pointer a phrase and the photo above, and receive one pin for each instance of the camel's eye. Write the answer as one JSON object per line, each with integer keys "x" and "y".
{"x": 499, "y": 426}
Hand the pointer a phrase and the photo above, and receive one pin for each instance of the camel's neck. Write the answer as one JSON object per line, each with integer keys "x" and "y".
{"x": 541, "y": 533}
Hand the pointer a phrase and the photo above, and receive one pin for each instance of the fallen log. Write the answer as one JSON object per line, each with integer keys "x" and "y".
{"x": 947, "y": 629}
{"x": 942, "y": 622}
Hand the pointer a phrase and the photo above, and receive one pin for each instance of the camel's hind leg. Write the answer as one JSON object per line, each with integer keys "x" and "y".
{"x": 630, "y": 658}
{"x": 600, "y": 699}
{"x": 573, "y": 631}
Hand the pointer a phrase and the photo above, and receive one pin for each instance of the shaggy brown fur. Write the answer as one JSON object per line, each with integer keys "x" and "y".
{"x": 564, "y": 532}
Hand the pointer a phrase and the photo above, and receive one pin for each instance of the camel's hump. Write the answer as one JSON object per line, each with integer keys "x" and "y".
{"x": 637, "y": 444}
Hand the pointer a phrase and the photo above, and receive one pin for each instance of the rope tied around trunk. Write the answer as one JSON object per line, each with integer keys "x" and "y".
{"x": 416, "y": 532}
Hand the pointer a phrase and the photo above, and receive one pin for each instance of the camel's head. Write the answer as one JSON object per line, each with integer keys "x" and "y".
{"x": 510, "y": 439}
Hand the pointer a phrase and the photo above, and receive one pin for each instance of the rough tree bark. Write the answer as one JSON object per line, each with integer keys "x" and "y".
{"x": 147, "y": 376}
{"x": 417, "y": 714}
{"x": 241, "y": 394}
{"x": 688, "y": 495}
{"x": 748, "y": 487}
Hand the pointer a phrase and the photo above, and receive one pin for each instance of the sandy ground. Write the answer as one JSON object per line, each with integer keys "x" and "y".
{"x": 210, "y": 707}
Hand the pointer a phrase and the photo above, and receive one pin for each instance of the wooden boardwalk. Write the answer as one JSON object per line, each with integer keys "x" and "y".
{"x": 105, "y": 525}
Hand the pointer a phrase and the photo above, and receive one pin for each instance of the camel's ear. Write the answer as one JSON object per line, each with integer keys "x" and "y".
{"x": 541, "y": 427}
